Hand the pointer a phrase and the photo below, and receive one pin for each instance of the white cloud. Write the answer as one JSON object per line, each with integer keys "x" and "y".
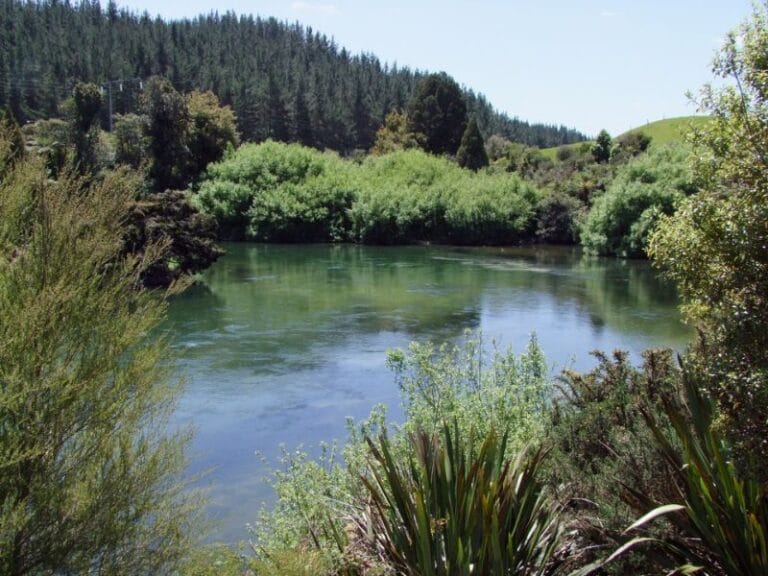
{"x": 314, "y": 8}
{"x": 609, "y": 14}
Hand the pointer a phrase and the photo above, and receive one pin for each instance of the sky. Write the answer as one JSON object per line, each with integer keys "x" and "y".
{"x": 586, "y": 64}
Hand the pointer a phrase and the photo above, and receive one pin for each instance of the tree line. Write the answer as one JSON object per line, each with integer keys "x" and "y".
{"x": 283, "y": 81}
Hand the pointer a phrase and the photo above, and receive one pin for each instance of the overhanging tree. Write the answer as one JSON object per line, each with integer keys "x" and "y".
{"x": 716, "y": 246}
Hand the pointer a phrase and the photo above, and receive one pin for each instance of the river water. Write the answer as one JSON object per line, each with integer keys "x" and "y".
{"x": 280, "y": 344}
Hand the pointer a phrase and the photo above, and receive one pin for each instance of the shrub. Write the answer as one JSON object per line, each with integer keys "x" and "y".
{"x": 89, "y": 478}
{"x": 601, "y": 444}
{"x": 411, "y": 196}
{"x": 622, "y": 219}
{"x": 475, "y": 391}
{"x": 269, "y": 191}
{"x": 722, "y": 516}
{"x": 451, "y": 509}
{"x": 557, "y": 219}
{"x": 489, "y": 209}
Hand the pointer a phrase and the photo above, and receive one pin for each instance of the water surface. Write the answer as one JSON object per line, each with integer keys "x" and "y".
{"x": 279, "y": 344}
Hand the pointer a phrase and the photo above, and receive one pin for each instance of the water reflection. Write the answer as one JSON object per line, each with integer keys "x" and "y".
{"x": 281, "y": 343}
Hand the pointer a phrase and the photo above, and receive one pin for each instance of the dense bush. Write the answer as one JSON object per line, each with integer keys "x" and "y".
{"x": 716, "y": 246}
{"x": 557, "y": 219}
{"x": 622, "y": 219}
{"x": 286, "y": 193}
{"x": 401, "y": 198}
{"x": 278, "y": 192}
{"x": 601, "y": 443}
{"x": 411, "y": 196}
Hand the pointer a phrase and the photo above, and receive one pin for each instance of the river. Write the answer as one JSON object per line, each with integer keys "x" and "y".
{"x": 280, "y": 344}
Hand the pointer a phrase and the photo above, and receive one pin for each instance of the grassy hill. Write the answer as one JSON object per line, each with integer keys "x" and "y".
{"x": 551, "y": 153}
{"x": 670, "y": 129}
{"x": 660, "y": 131}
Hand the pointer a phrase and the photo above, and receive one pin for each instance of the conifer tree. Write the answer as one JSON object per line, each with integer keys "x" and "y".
{"x": 364, "y": 125}
{"x": 471, "y": 152}
{"x": 438, "y": 112}
{"x": 277, "y": 112}
{"x": 303, "y": 121}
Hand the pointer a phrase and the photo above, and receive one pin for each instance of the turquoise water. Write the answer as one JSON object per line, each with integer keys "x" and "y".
{"x": 279, "y": 344}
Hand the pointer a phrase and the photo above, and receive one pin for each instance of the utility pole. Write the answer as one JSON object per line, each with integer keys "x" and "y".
{"x": 107, "y": 86}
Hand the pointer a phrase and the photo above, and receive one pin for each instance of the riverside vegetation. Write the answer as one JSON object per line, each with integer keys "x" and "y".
{"x": 496, "y": 469}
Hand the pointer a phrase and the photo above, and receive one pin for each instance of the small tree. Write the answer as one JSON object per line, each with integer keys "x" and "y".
{"x": 394, "y": 135}
{"x": 471, "y": 153}
{"x": 212, "y": 129}
{"x": 88, "y": 477}
{"x": 86, "y": 105}
{"x": 601, "y": 149}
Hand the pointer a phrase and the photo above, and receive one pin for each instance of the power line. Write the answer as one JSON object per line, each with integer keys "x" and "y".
{"x": 108, "y": 85}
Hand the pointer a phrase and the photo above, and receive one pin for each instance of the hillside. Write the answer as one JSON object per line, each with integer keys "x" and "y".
{"x": 283, "y": 81}
{"x": 660, "y": 132}
{"x": 670, "y": 129}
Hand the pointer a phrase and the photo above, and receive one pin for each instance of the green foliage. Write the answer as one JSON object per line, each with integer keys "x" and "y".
{"x": 489, "y": 209}
{"x": 411, "y": 196}
{"x": 526, "y": 160}
{"x": 131, "y": 145}
{"x": 401, "y": 198}
{"x": 12, "y": 147}
{"x": 315, "y": 210}
{"x": 722, "y": 520}
{"x": 279, "y": 192}
{"x": 629, "y": 145}
{"x": 394, "y": 135}
{"x": 716, "y": 246}
{"x": 496, "y": 147}
{"x": 216, "y": 560}
{"x": 89, "y": 478}
{"x": 557, "y": 219}
{"x": 322, "y": 505}
{"x": 601, "y": 442}
{"x": 86, "y": 105}
{"x": 314, "y": 496}
{"x": 211, "y": 130}
{"x": 281, "y": 79}
{"x": 471, "y": 153}
{"x": 287, "y": 193}
{"x": 601, "y": 149}
{"x": 437, "y": 112}
{"x": 622, "y": 219}
{"x": 475, "y": 390}
{"x": 452, "y": 509}
{"x": 167, "y": 122}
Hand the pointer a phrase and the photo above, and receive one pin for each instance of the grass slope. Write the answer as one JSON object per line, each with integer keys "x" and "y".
{"x": 660, "y": 131}
{"x": 670, "y": 129}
